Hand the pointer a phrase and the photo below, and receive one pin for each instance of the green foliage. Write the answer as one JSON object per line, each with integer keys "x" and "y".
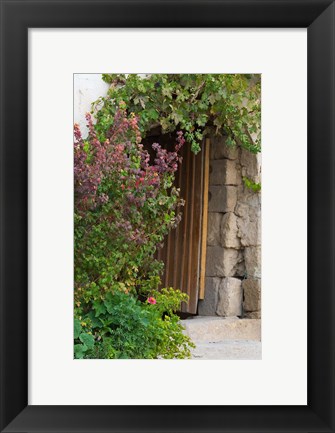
{"x": 83, "y": 341}
{"x": 256, "y": 187}
{"x": 125, "y": 328}
{"x": 195, "y": 103}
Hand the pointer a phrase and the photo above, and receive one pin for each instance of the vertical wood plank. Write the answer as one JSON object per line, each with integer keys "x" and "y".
{"x": 177, "y": 250}
{"x": 183, "y": 262}
{"x": 195, "y": 247}
{"x": 191, "y": 291}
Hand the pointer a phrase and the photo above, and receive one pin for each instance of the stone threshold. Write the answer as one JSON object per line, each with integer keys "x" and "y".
{"x": 212, "y": 329}
{"x": 228, "y": 350}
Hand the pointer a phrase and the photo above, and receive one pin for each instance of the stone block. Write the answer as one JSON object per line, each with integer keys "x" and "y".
{"x": 251, "y": 165}
{"x": 240, "y": 268}
{"x": 252, "y": 294}
{"x": 223, "y": 262}
{"x": 253, "y": 315}
{"x": 216, "y": 172}
{"x": 224, "y": 172}
{"x": 252, "y": 259}
{"x": 222, "y": 198}
{"x": 207, "y": 306}
{"x": 249, "y": 224}
{"x": 214, "y": 228}
{"x": 230, "y": 298}
{"x": 220, "y": 150}
{"x": 229, "y": 231}
{"x": 247, "y": 196}
{"x": 214, "y": 261}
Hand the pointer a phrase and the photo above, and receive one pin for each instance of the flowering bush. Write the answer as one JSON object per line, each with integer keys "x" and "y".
{"x": 124, "y": 206}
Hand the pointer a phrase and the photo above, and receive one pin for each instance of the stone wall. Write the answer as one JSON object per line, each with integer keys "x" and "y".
{"x": 233, "y": 263}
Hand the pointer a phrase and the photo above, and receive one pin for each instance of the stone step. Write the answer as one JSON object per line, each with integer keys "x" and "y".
{"x": 228, "y": 350}
{"x": 217, "y": 329}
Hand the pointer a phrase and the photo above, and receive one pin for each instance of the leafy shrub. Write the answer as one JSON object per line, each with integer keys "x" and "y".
{"x": 124, "y": 206}
{"x": 123, "y": 327}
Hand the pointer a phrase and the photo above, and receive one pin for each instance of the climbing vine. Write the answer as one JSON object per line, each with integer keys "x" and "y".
{"x": 256, "y": 187}
{"x": 197, "y": 104}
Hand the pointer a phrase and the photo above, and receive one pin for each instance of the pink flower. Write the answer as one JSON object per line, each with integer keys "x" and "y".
{"x": 151, "y": 300}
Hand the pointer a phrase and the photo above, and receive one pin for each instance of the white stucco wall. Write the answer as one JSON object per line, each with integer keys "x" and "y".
{"x": 87, "y": 88}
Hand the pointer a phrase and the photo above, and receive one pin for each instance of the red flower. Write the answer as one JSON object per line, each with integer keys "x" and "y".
{"x": 151, "y": 300}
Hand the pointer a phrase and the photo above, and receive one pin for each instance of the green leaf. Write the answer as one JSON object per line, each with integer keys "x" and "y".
{"x": 165, "y": 124}
{"x": 77, "y": 328}
{"x": 256, "y": 187}
{"x": 176, "y": 117}
{"x": 153, "y": 114}
{"x": 87, "y": 339}
{"x": 167, "y": 91}
{"x": 96, "y": 322}
{"x": 230, "y": 142}
{"x": 195, "y": 147}
{"x": 79, "y": 351}
{"x": 99, "y": 308}
{"x": 144, "y": 321}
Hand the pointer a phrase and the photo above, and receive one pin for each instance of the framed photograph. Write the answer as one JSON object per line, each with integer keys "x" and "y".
{"x": 236, "y": 348}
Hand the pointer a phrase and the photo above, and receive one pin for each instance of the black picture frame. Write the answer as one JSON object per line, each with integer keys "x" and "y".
{"x": 16, "y": 18}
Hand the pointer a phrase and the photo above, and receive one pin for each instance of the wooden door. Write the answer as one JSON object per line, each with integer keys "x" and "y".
{"x": 184, "y": 251}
